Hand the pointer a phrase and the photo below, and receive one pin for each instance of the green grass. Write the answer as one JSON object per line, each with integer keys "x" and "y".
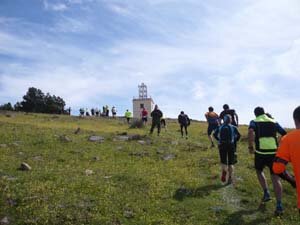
{"x": 130, "y": 183}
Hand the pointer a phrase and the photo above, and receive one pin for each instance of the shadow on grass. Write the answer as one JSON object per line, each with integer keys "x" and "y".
{"x": 200, "y": 192}
{"x": 236, "y": 218}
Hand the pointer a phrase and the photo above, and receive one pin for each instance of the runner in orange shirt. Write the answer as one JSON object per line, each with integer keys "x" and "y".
{"x": 289, "y": 151}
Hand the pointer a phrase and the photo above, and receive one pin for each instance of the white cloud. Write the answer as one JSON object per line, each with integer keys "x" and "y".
{"x": 257, "y": 87}
{"x": 119, "y": 9}
{"x": 198, "y": 90}
{"x": 72, "y": 25}
{"x": 287, "y": 63}
{"x": 55, "y": 6}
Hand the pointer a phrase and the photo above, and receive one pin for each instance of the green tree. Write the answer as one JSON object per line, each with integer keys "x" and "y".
{"x": 33, "y": 101}
{"x": 7, "y": 107}
{"x": 36, "y": 101}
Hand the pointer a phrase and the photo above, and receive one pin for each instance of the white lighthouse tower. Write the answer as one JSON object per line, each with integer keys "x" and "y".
{"x": 143, "y": 101}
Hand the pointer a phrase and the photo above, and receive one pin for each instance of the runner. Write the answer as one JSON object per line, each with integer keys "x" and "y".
{"x": 156, "y": 115}
{"x": 213, "y": 123}
{"x": 232, "y": 113}
{"x": 144, "y": 115}
{"x": 184, "y": 122}
{"x": 262, "y": 130}
{"x": 288, "y": 151}
{"x": 227, "y": 135}
{"x": 128, "y": 115}
{"x": 114, "y": 112}
{"x": 81, "y": 111}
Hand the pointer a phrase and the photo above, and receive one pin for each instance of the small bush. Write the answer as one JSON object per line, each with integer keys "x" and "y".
{"x": 137, "y": 123}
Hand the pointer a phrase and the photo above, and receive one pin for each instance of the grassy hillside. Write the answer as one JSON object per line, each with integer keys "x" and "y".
{"x": 159, "y": 180}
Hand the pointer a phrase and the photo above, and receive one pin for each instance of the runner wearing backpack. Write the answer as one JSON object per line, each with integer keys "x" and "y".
{"x": 184, "y": 122}
{"x": 227, "y": 135}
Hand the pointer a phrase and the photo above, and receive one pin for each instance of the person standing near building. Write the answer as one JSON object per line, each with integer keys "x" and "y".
{"x": 81, "y": 111}
{"x": 184, "y": 122}
{"x": 212, "y": 119}
{"x": 106, "y": 111}
{"x": 144, "y": 115}
{"x": 156, "y": 115}
{"x": 87, "y": 112}
{"x": 227, "y": 135}
{"x": 97, "y": 112}
{"x": 289, "y": 151}
{"x": 114, "y": 111}
{"x": 232, "y": 113}
{"x": 103, "y": 111}
{"x": 263, "y": 132}
{"x": 128, "y": 116}
{"x": 93, "y": 111}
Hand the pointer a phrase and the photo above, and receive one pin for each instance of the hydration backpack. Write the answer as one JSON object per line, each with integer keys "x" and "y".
{"x": 226, "y": 134}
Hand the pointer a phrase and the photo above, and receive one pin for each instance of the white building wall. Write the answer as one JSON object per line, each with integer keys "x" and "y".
{"x": 148, "y": 104}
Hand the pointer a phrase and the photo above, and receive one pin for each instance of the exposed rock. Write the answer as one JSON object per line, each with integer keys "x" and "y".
{"x": 168, "y": 157}
{"x": 77, "y": 130}
{"x": 128, "y": 214}
{"x": 16, "y": 144}
{"x": 161, "y": 150}
{"x": 119, "y": 148}
{"x": 96, "y": 158}
{"x": 174, "y": 142}
{"x": 141, "y": 142}
{"x": 99, "y": 139}
{"x": 38, "y": 158}
{"x": 107, "y": 177}
{"x": 134, "y": 137}
{"x": 121, "y": 138}
{"x": 130, "y": 137}
{"x": 149, "y": 141}
{"x": 9, "y": 178}
{"x": 4, "y": 221}
{"x": 3, "y": 145}
{"x": 11, "y": 202}
{"x": 24, "y": 167}
{"x": 64, "y": 138}
{"x": 217, "y": 209}
{"x": 89, "y": 172}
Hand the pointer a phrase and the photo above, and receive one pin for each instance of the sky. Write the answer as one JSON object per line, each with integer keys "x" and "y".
{"x": 191, "y": 54}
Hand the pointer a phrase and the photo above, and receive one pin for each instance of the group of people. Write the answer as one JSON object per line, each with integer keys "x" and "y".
{"x": 263, "y": 143}
{"x": 158, "y": 121}
{"x": 97, "y": 112}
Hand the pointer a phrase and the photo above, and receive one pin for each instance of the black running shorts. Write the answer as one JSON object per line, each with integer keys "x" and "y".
{"x": 211, "y": 128}
{"x": 261, "y": 161}
{"x": 227, "y": 154}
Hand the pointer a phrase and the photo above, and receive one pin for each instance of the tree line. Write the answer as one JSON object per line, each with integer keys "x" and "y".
{"x": 36, "y": 101}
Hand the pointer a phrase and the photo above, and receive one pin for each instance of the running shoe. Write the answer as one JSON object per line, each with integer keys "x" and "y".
{"x": 278, "y": 210}
{"x": 266, "y": 197}
{"x": 223, "y": 177}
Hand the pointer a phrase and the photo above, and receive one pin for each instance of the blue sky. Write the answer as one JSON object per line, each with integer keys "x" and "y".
{"x": 191, "y": 54}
